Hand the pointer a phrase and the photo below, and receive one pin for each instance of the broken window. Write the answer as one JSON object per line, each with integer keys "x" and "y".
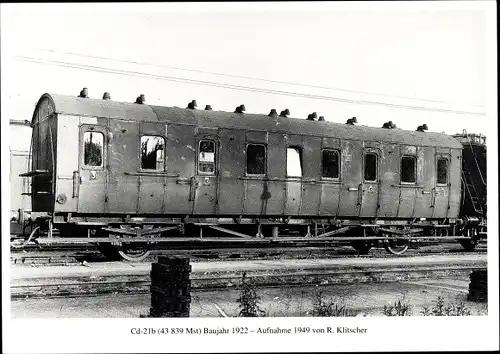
{"x": 152, "y": 153}
{"x": 93, "y": 148}
{"x": 294, "y": 162}
{"x": 206, "y": 158}
{"x": 370, "y": 167}
{"x": 256, "y": 159}
{"x": 331, "y": 163}
{"x": 442, "y": 171}
{"x": 408, "y": 169}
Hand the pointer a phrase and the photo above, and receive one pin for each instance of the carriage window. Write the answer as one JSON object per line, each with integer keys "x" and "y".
{"x": 370, "y": 167}
{"x": 442, "y": 171}
{"x": 331, "y": 165}
{"x": 206, "y": 158}
{"x": 93, "y": 148}
{"x": 152, "y": 153}
{"x": 408, "y": 169}
{"x": 26, "y": 186}
{"x": 294, "y": 162}
{"x": 256, "y": 159}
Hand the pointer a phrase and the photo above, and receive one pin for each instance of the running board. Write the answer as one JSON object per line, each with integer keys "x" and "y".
{"x": 248, "y": 239}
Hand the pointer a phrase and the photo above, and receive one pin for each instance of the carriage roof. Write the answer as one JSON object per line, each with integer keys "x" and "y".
{"x": 219, "y": 119}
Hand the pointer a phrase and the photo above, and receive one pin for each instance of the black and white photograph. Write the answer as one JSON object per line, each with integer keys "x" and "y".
{"x": 249, "y": 177}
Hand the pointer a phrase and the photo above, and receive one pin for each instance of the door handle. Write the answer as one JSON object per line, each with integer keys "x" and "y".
{"x": 353, "y": 189}
{"x": 433, "y": 198}
{"x": 193, "y": 186}
{"x": 360, "y": 194}
{"x": 426, "y": 192}
{"x": 77, "y": 180}
{"x": 183, "y": 181}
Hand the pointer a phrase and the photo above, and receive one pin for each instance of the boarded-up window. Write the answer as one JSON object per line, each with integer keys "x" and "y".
{"x": 442, "y": 171}
{"x": 370, "y": 167}
{"x": 331, "y": 163}
{"x": 256, "y": 159}
{"x": 408, "y": 169}
{"x": 93, "y": 148}
{"x": 152, "y": 153}
{"x": 206, "y": 157}
{"x": 294, "y": 162}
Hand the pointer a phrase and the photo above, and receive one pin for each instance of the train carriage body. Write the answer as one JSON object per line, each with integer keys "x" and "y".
{"x": 100, "y": 158}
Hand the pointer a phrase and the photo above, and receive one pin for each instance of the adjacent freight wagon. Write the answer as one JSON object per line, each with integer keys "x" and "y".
{"x": 20, "y": 194}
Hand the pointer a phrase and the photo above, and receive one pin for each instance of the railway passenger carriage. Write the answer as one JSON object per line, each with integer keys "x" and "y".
{"x": 137, "y": 171}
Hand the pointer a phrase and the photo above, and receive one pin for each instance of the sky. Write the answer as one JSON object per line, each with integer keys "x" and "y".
{"x": 339, "y": 59}
{"x": 364, "y": 58}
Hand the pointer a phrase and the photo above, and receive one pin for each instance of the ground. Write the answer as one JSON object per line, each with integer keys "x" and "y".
{"x": 364, "y": 299}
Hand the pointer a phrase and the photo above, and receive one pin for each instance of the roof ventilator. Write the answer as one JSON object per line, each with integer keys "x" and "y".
{"x": 422, "y": 128}
{"x": 285, "y": 113}
{"x": 141, "y": 99}
{"x": 389, "y": 125}
{"x": 240, "y": 109}
{"x": 84, "y": 93}
{"x": 352, "y": 121}
{"x": 312, "y": 116}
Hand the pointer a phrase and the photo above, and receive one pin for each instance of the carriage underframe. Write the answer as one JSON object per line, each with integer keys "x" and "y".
{"x": 133, "y": 237}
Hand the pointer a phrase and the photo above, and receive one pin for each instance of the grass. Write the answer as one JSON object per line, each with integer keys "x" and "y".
{"x": 399, "y": 308}
{"x": 331, "y": 307}
{"x": 249, "y": 300}
{"x": 319, "y": 305}
{"x": 440, "y": 308}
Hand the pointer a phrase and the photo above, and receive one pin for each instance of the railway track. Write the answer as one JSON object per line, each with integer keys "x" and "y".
{"x": 74, "y": 254}
{"x": 131, "y": 278}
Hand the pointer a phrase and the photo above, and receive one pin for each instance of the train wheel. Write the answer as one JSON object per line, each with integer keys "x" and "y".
{"x": 471, "y": 243}
{"x": 134, "y": 251}
{"x": 363, "y": 247}
{"x": 109, "y": 251}
{"x": 443, "y": 232}
{"x": 396, "y": 246}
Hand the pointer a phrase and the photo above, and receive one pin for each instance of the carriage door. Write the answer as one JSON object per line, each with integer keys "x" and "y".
{"x": 369, "y": 188}
{"x": 441, "y": 190}
{"x": 206, "y": 178}
{"x": 92, "y": 170}
{"x": 352, "y": 175}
